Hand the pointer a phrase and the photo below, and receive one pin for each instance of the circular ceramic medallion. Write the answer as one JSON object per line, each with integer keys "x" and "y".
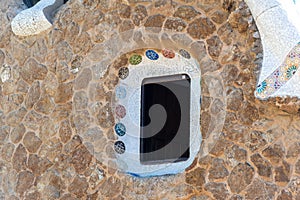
{"x": 135, "y": 59}
{"x": 123, "y": 72}
{"x": 152, "y": 55}
{"x": 120, "y": 111}
{"x": 120, "y": 129}
{"x": 119, "y": 147}
{"x": 168, "y": 53}
{"x": 120, "y": 92}
{"x": 184, "y": 53}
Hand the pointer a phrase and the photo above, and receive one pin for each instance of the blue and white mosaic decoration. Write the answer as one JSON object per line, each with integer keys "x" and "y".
{"x": 279, "y": 29}
{"x": 152, "y": 55}
{"x": 120, "y": 129}
{"x": 280, "y": 76}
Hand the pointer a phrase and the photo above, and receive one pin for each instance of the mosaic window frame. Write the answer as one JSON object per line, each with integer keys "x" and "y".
{"x": 146, "y": 64}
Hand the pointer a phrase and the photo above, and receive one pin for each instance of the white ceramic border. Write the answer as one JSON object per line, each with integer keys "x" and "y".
{"x": 279, "y": 26}
{"x": 36, "y": 19}
{"x": 260, "y": 6}
{"x": 129, "y": 161}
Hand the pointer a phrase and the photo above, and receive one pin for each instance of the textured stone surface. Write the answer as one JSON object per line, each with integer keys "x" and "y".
{"x": 57, "y": 107}
{"x": 256, "y": 140}
{"x": 274, "y": 153}
{"x": 297, "y": 169}
{"x": 33, "y": 195}
{"x": 17, "y": 133}
{"x": 15, "y": 117}
{"x": 230, "y": 73}
{"x": 234, "y": 98}
{"x": 45, "y": 105}
{"x": 264, "y": 167}
{"x": 139, "y": 14}
{"x": 4, "y": 132}
{"x": 32, "y": 142}
{"x": 126, "y": 26}
{"x": 82, "y": 81}
{"x": 176, "y": 24}
{"x": 201, "y": 28}
{"x": 240, "y": 177}
{"x": 196, "y": 177}
{"x": 32, "y": 119}
{"x": 125, "y": 11}
{"x": 249, "y": 114}
{"x": 105, "y": 117}
{"x": 155, "y": 21}
{"x": 79, "y": 186}
{"x": 282, "y": 173}
{"x": 65, "y": 131}
{"x": 293, "y": 150}
{"x": 186, "y": 12}
{"x": 81, "y": 159}
{"x": 7, "y": 152}
{"x": 64, "y": 92}
{"x": 38, "y": 165}
{"x": 285, "y": 194}
{"x": 218, "y": 190}
{"x": 219, "y": 16}
{"x": 260, "y": 190}
{"x": 217, "y": 170}
{"x": 226, "y": 33}
{"x": 111, "y": 187}
{"x": 236, "y": 20}
{"x": 33, "y": 95}
{"x": 33, "y": 71}
{"x": 214, "y": 46}
{"x": 25, "y": 181}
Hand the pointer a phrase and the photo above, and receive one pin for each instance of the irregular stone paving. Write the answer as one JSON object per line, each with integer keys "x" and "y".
{"x": 57, "y": 86}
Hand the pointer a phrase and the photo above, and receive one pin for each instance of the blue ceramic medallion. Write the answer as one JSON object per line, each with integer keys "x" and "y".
{"x": 120, "y": 129}
{"x": 119, "y": 147}
{"x": 120, "y": 92}
{"x": 152, "y": 55}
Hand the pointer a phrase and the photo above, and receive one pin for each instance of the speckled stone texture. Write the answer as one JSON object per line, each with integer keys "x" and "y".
{"x": 55, "y": 84}
{"x": 36, "y": 19}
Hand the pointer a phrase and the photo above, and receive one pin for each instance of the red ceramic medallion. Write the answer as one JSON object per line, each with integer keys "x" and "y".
{"x": 168, "y": 53}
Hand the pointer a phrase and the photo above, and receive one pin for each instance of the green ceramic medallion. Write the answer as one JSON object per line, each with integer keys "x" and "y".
{"x": 135, "y": 59}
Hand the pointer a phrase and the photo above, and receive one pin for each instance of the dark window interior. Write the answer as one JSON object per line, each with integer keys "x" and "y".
{"x": 165, "y": 129}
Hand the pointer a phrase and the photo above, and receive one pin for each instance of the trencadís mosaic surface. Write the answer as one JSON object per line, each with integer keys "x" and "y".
{"x": 281, "y": 76}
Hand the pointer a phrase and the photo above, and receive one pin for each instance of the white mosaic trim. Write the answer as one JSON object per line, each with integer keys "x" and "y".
{"x": 36, "y": 19}
{"x": 129, "y": 161}
{"x": 279, "y": 26}
{"x": 259, "y": 6}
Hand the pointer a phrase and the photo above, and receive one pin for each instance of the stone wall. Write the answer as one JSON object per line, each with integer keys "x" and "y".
{"x": 56, "y": 84}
